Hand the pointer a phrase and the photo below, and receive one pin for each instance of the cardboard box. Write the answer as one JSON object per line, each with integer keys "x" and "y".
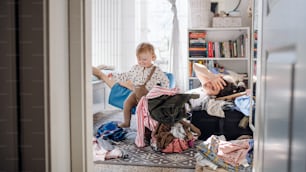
{"x": 226, "y": 22}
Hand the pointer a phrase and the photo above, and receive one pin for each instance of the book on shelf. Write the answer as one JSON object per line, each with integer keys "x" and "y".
{"x": 197, "y": 49}
{"x": 197, "y": 53}
{"x": 238, "y": 47}
{"x": 217, "y": 49}
{"x": 197, "y": 34}
{"x": 191, "y": 71}
{"x": 221, "y": 49}
{"x": 191, "y": 62}
{"x": 190, "y": 68}
{"x": 197, "y": 57}
{"x": 255, "y": 49}
{"x": 226, "y": 47}
{"x": 255, "y": 44}
{"x": 210, "y": 49}
{"x": 243, "y": 39}
{"x": 190, "y": 84}
{"x": 235, "y": 49}
{"x": 231, "y": 48}
{"x": 197, "y": 44}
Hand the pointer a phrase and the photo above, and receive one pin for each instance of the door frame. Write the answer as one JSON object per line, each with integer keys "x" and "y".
{"x": 81, "y": 123}
{"x": 68, "y": 58}
{"x": 81, "y": 119}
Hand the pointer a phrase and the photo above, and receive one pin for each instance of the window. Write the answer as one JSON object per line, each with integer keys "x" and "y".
{"x": 156, "y": 26}
{"x": 119, "y": 26}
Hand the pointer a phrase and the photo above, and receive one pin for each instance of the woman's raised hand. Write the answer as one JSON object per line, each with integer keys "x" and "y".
{"x": 217, "y": 82}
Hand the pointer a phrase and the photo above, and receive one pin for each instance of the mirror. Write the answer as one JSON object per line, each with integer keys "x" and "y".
{"x": 225, "y": 5}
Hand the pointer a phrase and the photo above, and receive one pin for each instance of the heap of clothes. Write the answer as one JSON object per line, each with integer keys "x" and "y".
{"x": 103, "y": 142}
{"x": 161, "y": 123}
{"x": 175, "y": 138}
{"x": 216, "y": 107}
{"x": 163, "y": 112}
{"x": 232, "y": 156}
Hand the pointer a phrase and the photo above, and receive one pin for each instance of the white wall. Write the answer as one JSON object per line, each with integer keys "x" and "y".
{"x": 246, "y": 20}
{"x": 228, "y": 5}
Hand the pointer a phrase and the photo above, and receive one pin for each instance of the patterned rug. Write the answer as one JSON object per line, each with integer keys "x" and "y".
{"x": 144, "y": 156}
{"x": 147, "y": 157}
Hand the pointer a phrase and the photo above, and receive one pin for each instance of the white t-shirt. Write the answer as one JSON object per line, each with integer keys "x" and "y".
{"x": 196, "y": 104}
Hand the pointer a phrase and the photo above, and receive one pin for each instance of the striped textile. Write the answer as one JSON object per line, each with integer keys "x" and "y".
{"x": 143, "y": 118}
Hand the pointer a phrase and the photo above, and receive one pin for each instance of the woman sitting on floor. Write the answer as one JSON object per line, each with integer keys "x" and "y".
{"x": 216, "y": 84}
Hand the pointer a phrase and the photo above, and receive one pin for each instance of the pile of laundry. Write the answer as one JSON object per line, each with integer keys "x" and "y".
{"x": 216, "y": 106}
{"x": 233, "y": 156}
{"x": 104, "y": 142}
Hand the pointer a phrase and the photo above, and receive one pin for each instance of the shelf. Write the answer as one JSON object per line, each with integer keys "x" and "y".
{"x": 195, "y": 78}
{"x": 192, "y": 77}
{"x": 207, "y": 58}
{"x": 218, "y": 28}
{"x": 207, "y": 45}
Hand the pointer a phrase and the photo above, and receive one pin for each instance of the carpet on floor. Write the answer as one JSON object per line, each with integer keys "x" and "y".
{"x": 148, "y": 157}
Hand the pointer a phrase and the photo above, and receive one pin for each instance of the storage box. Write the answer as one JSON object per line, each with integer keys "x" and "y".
{"x": 226, "y": 22}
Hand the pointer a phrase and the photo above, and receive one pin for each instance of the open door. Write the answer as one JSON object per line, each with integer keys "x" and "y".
{"x": 280, "y": 124}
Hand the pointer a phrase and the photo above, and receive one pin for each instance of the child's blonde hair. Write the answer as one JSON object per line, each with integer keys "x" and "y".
{"x": 145, "y": 47}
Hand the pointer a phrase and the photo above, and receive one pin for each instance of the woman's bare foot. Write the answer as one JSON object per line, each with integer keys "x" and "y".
{"x": 124, "y": 125}
{"x": 97, "y": 72}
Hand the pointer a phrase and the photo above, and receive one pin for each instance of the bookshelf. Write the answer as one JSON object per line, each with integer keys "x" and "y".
{"x": 220, "y": 49}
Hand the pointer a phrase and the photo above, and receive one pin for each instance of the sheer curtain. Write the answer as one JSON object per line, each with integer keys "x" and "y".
{"x": 175, "y": 45}
{"x": 164, "y": 24}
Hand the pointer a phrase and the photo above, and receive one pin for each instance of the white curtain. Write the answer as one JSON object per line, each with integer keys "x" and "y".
{"x": 106, "y": 32}
{"x": 175, "y": 53}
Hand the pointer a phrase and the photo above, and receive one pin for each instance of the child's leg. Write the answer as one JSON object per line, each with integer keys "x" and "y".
{"x": 128, "y": 84}
{"x": 129, "y": 103}
{"x": 97, "y": 72}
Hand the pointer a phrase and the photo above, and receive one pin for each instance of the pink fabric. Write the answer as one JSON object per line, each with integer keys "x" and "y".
{"x": 99, "y": 154}
{"x": 143, "y": 118}
{"x": 177, "y": 145}
{"x": 233, "y": 152}
{"x": 159, "y": 91}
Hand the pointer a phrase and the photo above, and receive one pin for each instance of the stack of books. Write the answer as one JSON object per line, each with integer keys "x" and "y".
{"x": 197, "y": 44}
{"x": 199, "y": 47}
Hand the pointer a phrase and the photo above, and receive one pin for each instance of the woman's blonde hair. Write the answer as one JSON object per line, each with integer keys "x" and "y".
{"x": 145, "y": 47}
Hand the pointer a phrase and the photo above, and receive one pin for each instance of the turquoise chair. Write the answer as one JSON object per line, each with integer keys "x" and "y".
{"x": 171, "y": 79}
{"x": 118, "y": 96}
